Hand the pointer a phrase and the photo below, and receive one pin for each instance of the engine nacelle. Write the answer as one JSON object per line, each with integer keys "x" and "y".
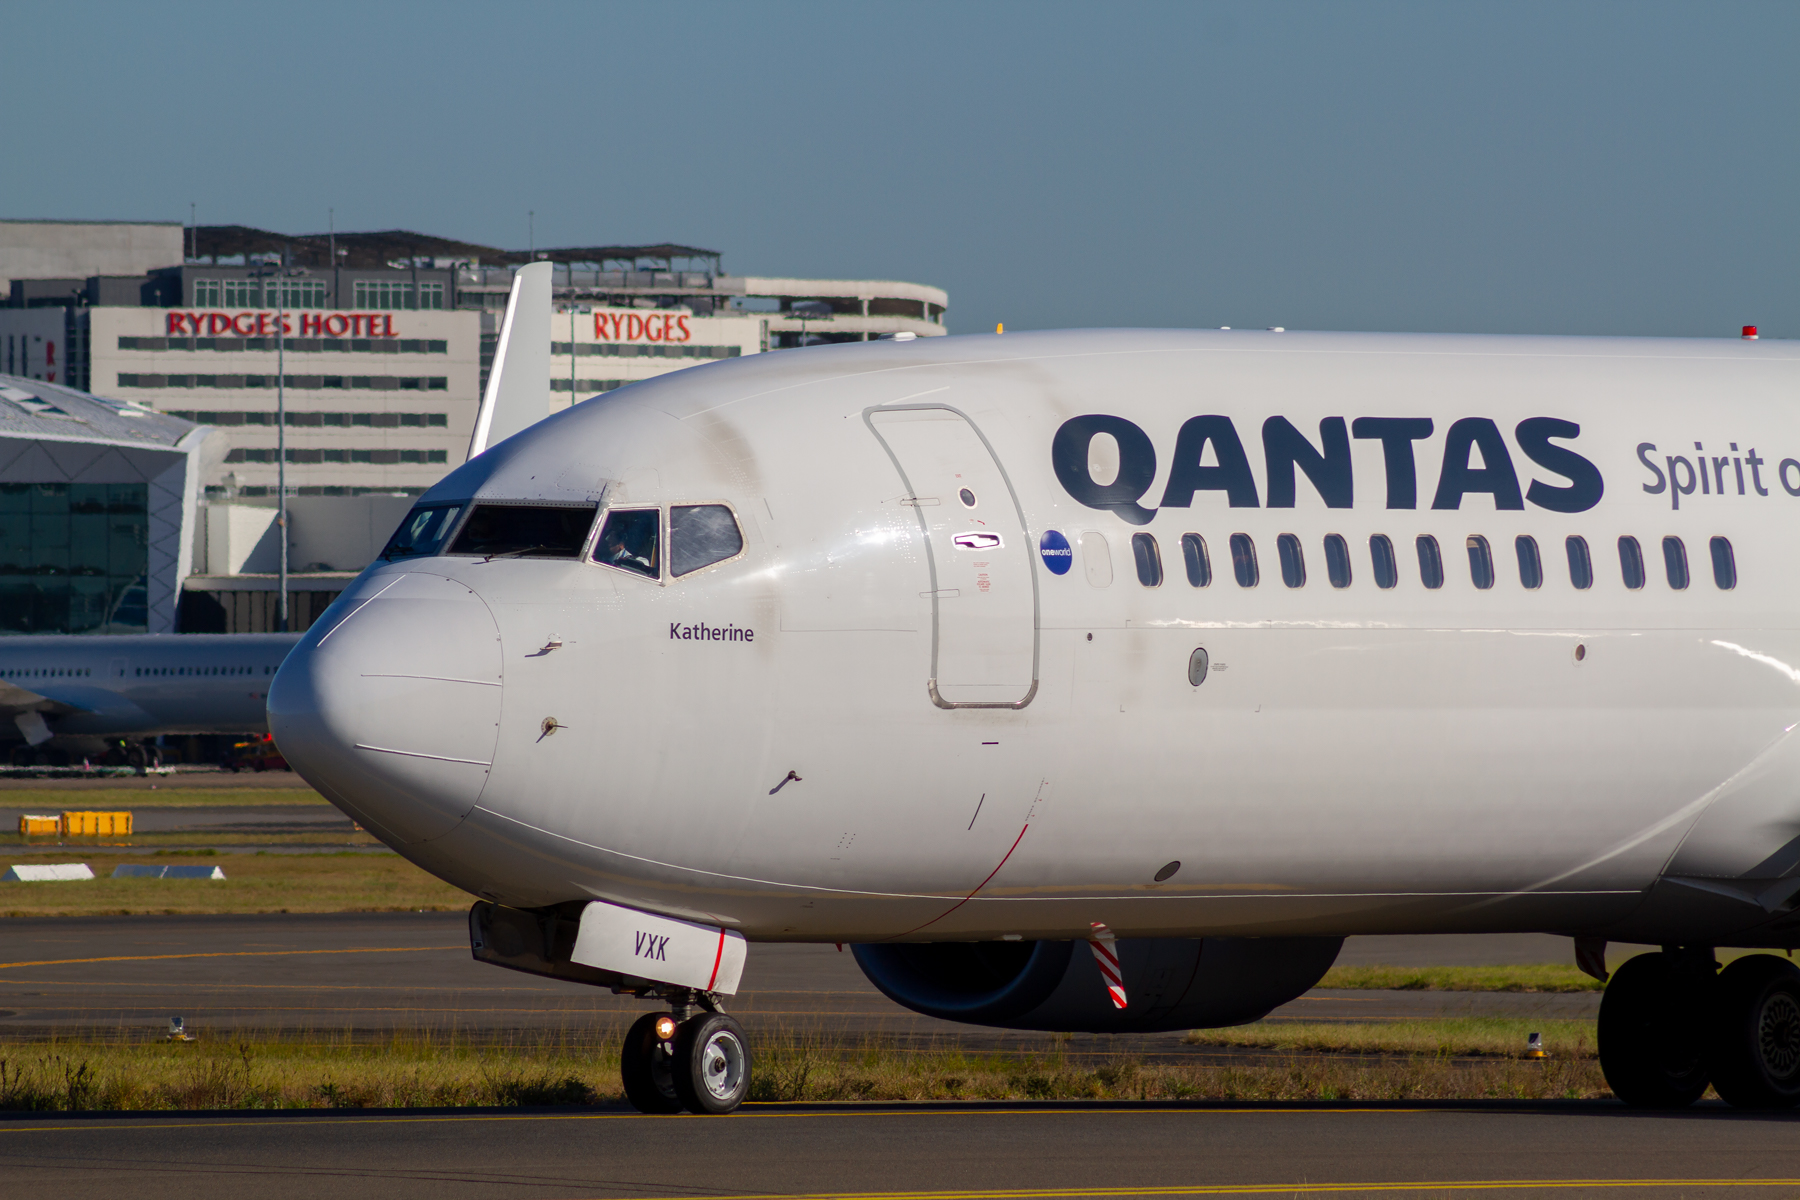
{"x": 1171, "y": 983}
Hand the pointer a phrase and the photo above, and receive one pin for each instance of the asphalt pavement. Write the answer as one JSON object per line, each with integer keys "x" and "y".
{"x": 916, "y": 1152}
{"x": 372, "y": 973}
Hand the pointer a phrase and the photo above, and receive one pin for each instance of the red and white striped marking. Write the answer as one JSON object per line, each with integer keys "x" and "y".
{"x": 1106, "y": 955}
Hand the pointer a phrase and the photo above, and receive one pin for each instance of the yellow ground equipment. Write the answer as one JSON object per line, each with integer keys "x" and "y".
{"x": 96, "y": 824}
{"x": 30, "y": 825}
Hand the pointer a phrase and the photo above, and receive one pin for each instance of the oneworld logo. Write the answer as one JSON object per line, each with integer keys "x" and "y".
{"x": 1477, "y": 461}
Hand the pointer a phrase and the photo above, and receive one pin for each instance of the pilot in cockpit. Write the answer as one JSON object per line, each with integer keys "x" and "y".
{"x": 628, "y": 540}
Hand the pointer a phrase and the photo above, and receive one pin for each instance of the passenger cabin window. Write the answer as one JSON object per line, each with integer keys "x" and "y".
{"x": 1631, "y": 562}
{"x": 628, "y": 541}
{"x": 1199, "y": 565}
{"x": 1531, "y": 566}
{"x": 1481, "y": 562}
{"x": 525, "y": 530}
{"x": 1293, "y": 564}
{"x": 1387, "y": 567}
{"x": 1431, "y": 562}
{"x": 1675, "y": 562}
{"x": 1243, "y": 560}
{"x": 1724, "y": 564}
{"x": 423, "y": 531}
{"x": 1337, "y": 560}
{"x": 701, "y": 535}
{"x": 1581, "y": 567}
{"x": 1148, "y": 557}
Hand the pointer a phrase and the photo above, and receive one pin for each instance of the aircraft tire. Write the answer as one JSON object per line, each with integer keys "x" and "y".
{"x": 647, "y": 1070}
{"x": 1651, "y": 1050}
{"x": 712, "y": 1064}
{"x": 1755, "y": 1028}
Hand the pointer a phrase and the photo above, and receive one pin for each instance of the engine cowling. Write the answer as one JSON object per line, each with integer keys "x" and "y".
{"x": 1171, "y": 983}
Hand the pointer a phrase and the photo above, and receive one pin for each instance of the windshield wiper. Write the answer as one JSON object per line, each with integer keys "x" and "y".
{"x": 513, "y": 553}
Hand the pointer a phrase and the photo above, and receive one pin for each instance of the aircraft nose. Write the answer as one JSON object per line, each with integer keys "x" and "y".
{"x": 392, "y": 712}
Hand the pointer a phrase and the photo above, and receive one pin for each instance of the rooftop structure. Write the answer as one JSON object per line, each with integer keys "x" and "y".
{"x": 69, "y": 252}
{"x": 443, "y": 273}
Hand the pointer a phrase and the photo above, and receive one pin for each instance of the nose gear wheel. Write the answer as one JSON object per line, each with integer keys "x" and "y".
{"x": 647, "y": 1068}
{"x": 712, "y": 1064}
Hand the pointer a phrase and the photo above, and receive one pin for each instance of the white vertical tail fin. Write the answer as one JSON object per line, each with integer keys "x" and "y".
{"x": 518, "y": 386}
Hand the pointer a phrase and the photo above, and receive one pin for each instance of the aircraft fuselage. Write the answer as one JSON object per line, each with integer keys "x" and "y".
{"x": 891, "y": 714}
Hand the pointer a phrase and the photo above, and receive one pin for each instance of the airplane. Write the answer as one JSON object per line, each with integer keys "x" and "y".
{"x": 1105, "y": 681}
{"x": 82, "y": 695}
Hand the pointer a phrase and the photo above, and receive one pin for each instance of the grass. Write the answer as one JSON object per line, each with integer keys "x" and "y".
{"x": 1449, "y": 1037}
{"x": 110, "y": 799}
{"x": 1540, "y": 977}
{"x": 412, "y": 1071}
{"x": 350, "y": 881}
{"x": 1529, "y": 977}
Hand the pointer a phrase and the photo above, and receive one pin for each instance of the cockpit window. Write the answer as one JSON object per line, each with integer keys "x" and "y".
{"x": 423, "y": 531}
{"x": 526, "y": 530}
{"x": 700, "y": 535}
{"x": 628, "y": 541}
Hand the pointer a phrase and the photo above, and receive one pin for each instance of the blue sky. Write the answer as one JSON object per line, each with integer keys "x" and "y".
{"x": 1509, "y": 167}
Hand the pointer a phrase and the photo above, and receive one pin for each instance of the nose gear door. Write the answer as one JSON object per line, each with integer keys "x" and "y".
{"x": 984, "y": 603}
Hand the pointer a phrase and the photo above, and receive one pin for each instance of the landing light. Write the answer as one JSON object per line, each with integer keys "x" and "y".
{"x": 665, "y": 1028}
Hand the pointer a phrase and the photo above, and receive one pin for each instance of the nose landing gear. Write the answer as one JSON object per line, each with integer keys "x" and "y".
{"x": 690, "y": 1059}
{"x": 1670, "y": 1023}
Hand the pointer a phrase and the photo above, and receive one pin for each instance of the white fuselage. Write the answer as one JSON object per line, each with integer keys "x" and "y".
{"x": 138, "y": 685}
{"x": 769, "y": 743}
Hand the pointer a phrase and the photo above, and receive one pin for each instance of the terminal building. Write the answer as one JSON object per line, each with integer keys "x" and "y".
{"x": 379, "y": 345}
{"x": 98, "y": 503}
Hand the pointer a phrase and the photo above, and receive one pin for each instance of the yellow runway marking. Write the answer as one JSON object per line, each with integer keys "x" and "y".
{"x": 63, "y": 962}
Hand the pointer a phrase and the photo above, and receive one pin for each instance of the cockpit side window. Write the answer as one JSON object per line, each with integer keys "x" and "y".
{"x": 526, "y": 530}
{"x": 423, "y": 532}
{"x": 701, "y": 535}
{"x": 628, "y": 541}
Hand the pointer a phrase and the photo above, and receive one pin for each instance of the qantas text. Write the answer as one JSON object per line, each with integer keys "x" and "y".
{"x": 1476, "y": 461}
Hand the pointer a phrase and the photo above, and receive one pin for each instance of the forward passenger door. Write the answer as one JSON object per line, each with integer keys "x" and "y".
{"x": 984, "y": 646}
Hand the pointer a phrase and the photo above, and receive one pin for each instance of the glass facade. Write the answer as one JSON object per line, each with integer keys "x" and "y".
{"x": 394, "y": 294}
{"x": 73, "y": 557}
{"x": 251, "y": 293}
